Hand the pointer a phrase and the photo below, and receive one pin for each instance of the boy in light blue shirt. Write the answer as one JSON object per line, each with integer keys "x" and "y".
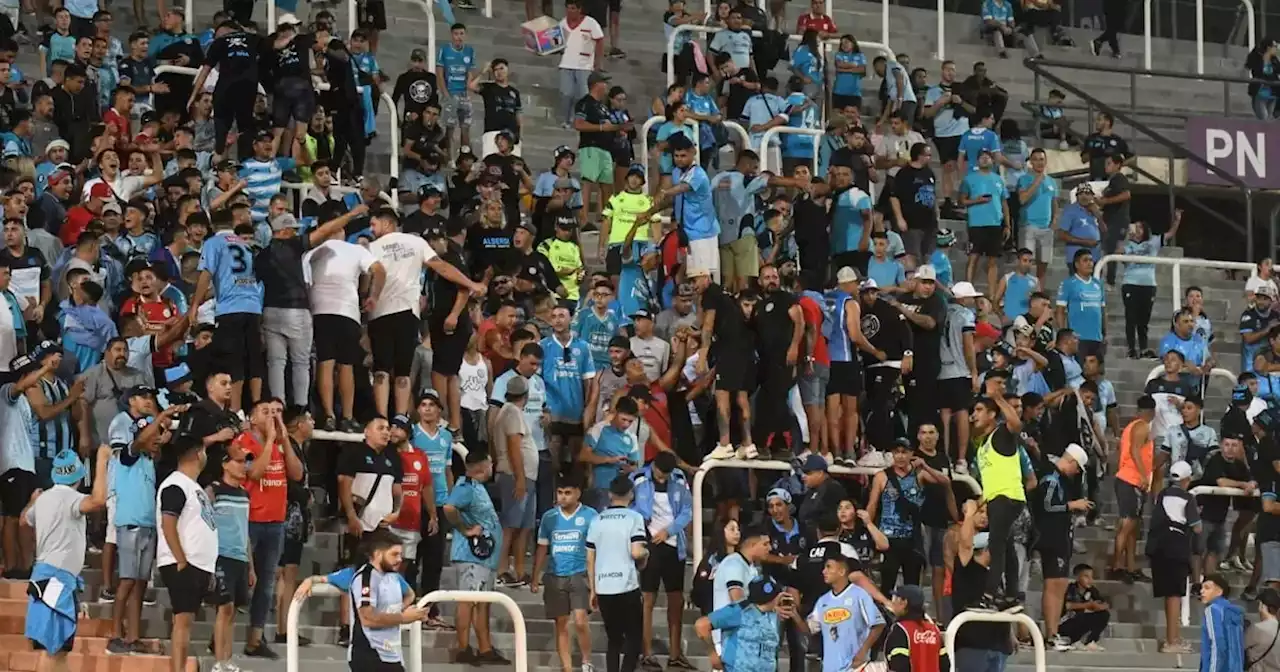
{"x": 750, "y": 628}
{"x": 980, "y": 139}
{"x": 611, "y": 449}
{"x": 846, "y": 618}
{"x": 982, "y": 194}
{"x": 454, "y": 63}
{"x": 562, "y": 538}
{"x": 887, "y": 272}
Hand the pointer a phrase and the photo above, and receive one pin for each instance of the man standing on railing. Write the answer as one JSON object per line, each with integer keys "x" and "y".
{"x": 1002, "y": 490}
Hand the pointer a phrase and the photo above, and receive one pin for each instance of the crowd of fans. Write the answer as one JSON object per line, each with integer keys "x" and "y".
{"x": 178, "y": 326}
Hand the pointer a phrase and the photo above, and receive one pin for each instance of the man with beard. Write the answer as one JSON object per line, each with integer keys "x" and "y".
{"x": 725, "y": 326}
{"x": 610, "y": 379}
{"x": 927, "y": 312}
{"x": 383, "y": 603}
{"x": 418, "y": 86}
{"x": 889, "y": 332}
{"x": 780, "y": 330}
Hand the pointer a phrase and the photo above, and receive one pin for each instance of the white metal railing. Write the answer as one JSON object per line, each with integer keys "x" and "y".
{"x": 1224, "y": 374}
{"x": 191, "y": 14}
{"x": 1146, "y": 22}
{"x": 1037, "y": 639}
{"x": 426, "y": 7}
{"x": 700, "y": 476}
{"x": 770, "y": 134}
{"x": 643, "y": 137}
{"x": 882, "y": 46}
{"x": 942, "y": 33}
{"x": 1177, "y": 264}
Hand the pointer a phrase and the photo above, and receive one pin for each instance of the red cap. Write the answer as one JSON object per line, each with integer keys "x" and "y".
{"x": 100, "y": 190}
{"x": 987, "y": 330}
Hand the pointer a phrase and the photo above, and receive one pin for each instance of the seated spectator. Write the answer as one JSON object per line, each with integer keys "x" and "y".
{"x": 1042, "y": 14}
{"x": 983, "y": 94}
{"x": 1182, "y": 338}
{"x": 1262, "y": 64}
{"x": 1087, "y": 611}
{"x": 998, "y": 24}
{"x": 1054, "y": 124}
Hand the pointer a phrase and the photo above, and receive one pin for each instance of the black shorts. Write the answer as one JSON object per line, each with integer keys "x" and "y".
{"x": 987, "y": 241}
{"x": 598, "y": 10}
{"x": 1242, "y": 504}
{"x": 378, "y": 666}
{"x": 613, "y": 260}
{"x": 394, "y": 338}
{"x": 336, "y": 339}
{"x": 231, "y": 582}
{"x": 372, "y": 14}
{"x": 449, "y": 349}
{"x": 857, "y": 260}
{"x": 735, "y": 373}
{"x": 294, "y": 100}
{"x": 292, "y": 553}
{"x": 187, "y": 587}
{"x": 1129, "y": 500}
{"x": 955, "y": 394}
{"x": 16, "y": 486}
{"x": 1054, "y": 563}
{"x": 839, "y": 102}
{"x": 664, "y": 567}
{"x": 846, "y": 378}
{"x": 1169, "y": 577}
{"x": 948, "y": 148}
{"x": 238, "y": 339}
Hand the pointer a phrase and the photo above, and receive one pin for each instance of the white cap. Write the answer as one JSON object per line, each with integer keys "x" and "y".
{"x": 965, "y": 290}
{"x": 287, "y": 19}
{"x": 1075, "y": 452}
{"x": 846, "y": 274}
{"x": 1180, "y": 470}
{"x": 926, "y": 272}
{"x": 869, "y": 283}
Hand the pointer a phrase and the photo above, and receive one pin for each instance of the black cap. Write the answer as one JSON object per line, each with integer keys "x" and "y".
{"x": 620, "y": 342}
{"x": 429, "y": 190}
{"x": 402, "y": 421}
{"x": 227, "y": 165}
{"x": 264, "y": 134}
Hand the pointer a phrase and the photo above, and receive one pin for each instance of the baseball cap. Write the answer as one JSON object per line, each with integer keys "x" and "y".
{"x": 945, "y": 238}
{"x": 1180, "y": 470}
{"x": 1240, "y": 394}
{"x": 284, "y": 221}
{"x": 264, "y": 134}
{"x": 697, "y": 273}
{"x": 636, "y": 169}
{"x": 428, "y": 191}
{"x": 57, "y": 144}
{"x": 43, "y": 349}
{"x": 912, "y": 595}
{"x": 58, "y": 176}
{"x": 418, "y": 55}
{"x": 870, "y": 284}
{"x": 112, "y": 206}
{"x": 517, "y": 386}
{"x": 814, "y": 463}
{"x": 1075, "y": 452}
{"x": 763, "y": 591}
{"x": 402, "y": 421}
{"x": 288, "y": 19}
{"x": 177, "y": 375}
{"x": 684, "y": 289}
{"x": 642, "y": 314}
{"x": 68, "y": 469}
{"x": 100, "y": 190}
{"x": 620, "y": 342}
{"x": 1265, "y": 290}
{"x": 1084, "y": 188}
{"x": 778, "y": 493}
{"x": 563, "y": 150}
{"x": 22, "y": 364}
{"x": 227, "y": 165}
{"x": 138, "y": 391}
{"x": 927, "y": 273}
{"x": 482, "y": 545}
{"x": 963, "y": 290}
{"x": 846, "y": 274}
{"x": 597, "y": 77}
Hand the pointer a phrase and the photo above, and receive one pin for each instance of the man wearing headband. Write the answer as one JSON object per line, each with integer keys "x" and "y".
{"x": 17, "y": 463}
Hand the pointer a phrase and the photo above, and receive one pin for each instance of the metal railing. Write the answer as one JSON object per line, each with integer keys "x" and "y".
{"x": 1177, "y": 263}
{"x": 1175, "y": 149}
{"x": 768, "y": 136}
{"x": 643, "y": 140}
{"x": 700, "y": 477}
{"x": 1037, "y": 639}
{"x": 1146, "y": 39}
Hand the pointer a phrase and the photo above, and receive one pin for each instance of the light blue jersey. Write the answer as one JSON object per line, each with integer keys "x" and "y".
{"x": 438, "y": 448}
{"x": 565, "y": 536}
{"x": 385, "y": 593}
{"x": 1017, "y": 292}
{"x": 635, "y": 291}
{"x": 15, "y": 418}
{"x": 474, "y": 508}
{"x": 1084, "y": 299}
{"x": 892, "y": 69}
{"x": 973, "y": 143}
{"x": 1194, "y": 350}
{"x": 735, "y": 201}
{"x": 946, "y": 123}
{"x": 976, "y": 185}
{"x": 457, "y": 65}
{"x": 133, "y": 479}
{"x": 848, "y": 220}
{"x": 596, "y": 330}
{"x": 610, "y": 535}
{"x": 1078, "y": 222}
{"x": 694, "y": 209}
{"x": 605, "y": 440}
{"x": 750, "y": 637}
{"x": 848, "y": 83}
{"x": 1037, "y": 212}
{"x": 230, "y": 261}
{"x": 794, "y": 145}
{"x": 846, "y": 621}
{"x": 565, "y": 367}
{"x": 263, "y": 180}
{"x": 761, "y": 109}
{"x": 1141, "y": 274}
{"x": 689, "y": 130}
{"x": 887, "y": 273}
{"x": 732, "y": 572}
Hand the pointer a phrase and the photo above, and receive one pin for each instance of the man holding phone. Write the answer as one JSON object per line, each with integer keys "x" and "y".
{"x": 987, "y": 212}
{"x": 1053, "y": 522}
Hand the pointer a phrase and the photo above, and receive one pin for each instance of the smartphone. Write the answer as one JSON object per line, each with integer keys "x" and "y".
{"x": 786, "y": 600}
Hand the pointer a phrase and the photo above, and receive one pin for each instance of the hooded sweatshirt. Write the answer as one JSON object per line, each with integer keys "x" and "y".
{"x": 1222, "y": 637}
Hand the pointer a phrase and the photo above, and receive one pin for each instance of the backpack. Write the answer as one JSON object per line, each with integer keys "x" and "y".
{"x": 827, "y": 303}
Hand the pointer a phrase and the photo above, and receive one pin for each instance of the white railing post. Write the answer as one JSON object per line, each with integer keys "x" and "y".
{"x": 700, "y": 477}
{"x": 1177, "y": 264}
{"x": 769, "y": 135}
{"x": 352, "y": 22}
{"x": 271, "y": 16}
{"x": 1177, "y": 287}
{"x": 190, "y": 18}
{"x": 1218, "y": 372}
{"x": 884, "y": 21}
{"x": 1146, "y": 33}
{"x": 291, "y": 624}
{"x": 738, "y": 129}
{"x": 520, "y": 657}
{"x": 488, "y": 9}
{"x": 395, "y": 140}
{"x": 1037, "y": 639}
{"x": 1199, "y": 37}
{"x": 942, "y": 35}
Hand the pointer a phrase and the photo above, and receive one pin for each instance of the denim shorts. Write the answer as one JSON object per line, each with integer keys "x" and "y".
{"x": 517, "y": 514}
{"x": 813, "y": 386}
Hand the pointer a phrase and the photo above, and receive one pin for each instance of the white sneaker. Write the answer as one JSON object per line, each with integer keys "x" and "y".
{"x": 873, "y": 458}
{"x": 722, "y": 452}
{"x": 747, "y": 452}
{"x": 1063, "y": 145}
{"x": 1061, "y": 643}
{"x": 1093, "y": 646}
{"x": 588, "y": 667}
{"x": 961, "y": 467}
{"x": 459, "y": 448}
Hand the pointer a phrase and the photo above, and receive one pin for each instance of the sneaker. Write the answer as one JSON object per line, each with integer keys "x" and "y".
{"x": 1061, "y": 643}
{"x": 327, "y": 423}
{"x": 680, "y": 663}
{"x": 350, "y": 425}
{"x": 1115, "y": 574}
{"x": 1094, "y": 647}
{"x": 1179, "y": 647}
{"x": 466, "y": 4}
{"x": 464, "y": 656}
{"x": 617, "y": 53}
{"x": 1140, "y": 576}
{"x": 509, "y": 580}
{"x": 139, "y": 647}
{"x": 961, "y": 467}
{"x": 491, "y": 657}
{"x": 649, "y": 663}
{"x": 1132, "y": 353}
{"x": 1149, "y": 354}
{"x": 17, "y": 574}
{"x": 283, "y": 638}
{"x": 873, "y": 458}
{"x": 986, "y": 604}
{"x": 1063, "y": 145}
{"x": 107, "y": 596}
{"x": 588, "y": 667}
{"x": 764, "y": 454}
{"x": 344, "y": 635}
{"x": 1004, "y": 54}
{"x": 148, "y": 599}
{"x": 261, "y": 651}
{"x": 118, "y": 647}
{"x": 1095, "y": 47}
{"x": 845, "y": 462}
{"x": 1008, "y": 605}
{"x": 722, "y": 452}
{"x": 747, "y": 452}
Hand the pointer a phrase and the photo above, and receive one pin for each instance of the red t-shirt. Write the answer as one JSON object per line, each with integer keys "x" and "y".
{"x": 497, "y": 361}
{"x": 156, "y": 315}
{"x": 78, "y": 219}
{"x": 821, "y": 23}
{"x": 417, "y": 478}
{"x": 119, "y": 122}
{"x": 658, "y": 417}
{"x": 813, "y": 319}
{"x": 268, "y": 497}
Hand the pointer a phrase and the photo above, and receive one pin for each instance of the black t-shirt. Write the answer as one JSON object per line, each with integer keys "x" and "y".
{"x": 819, "y": 501}
{"x": 791, "y": 543}
{"x": 813, "y": 237}
{"x": 419, "y": 222}
{"x": 279, "y": 267}
{"x": 594, "y": 112}
{"x": 774, "y": 325}
{"x": 1098, "y": 147}
{"x": 207, "y": 418}
{"x": 503, "y": 167}
{"x": 1053, "y": 520}
{"x": 535, "y": 264}
{"x": 935, "y": 513}
{"x": 1214, "y": 509}
{"x": 444, "y": 292}
{"x": 418, "y": 88}
{"x": 490, "y": 248}
{"x": 915, "y": 189}
{"x": 501, "y": 108}
{"x": 927, "y": 343}
{"x": 1116, "y": 214}
{"x": 730, "y": 325}
{"x": 737, "y": 94}
{"x": 967, "y": 584}
{"x": 362, "y": 460}
{"x": 808, "y": 573}
{"x": 887, "y": 329}
{"x": 427, "y": 140}
{"x": 235, "y": 55}
{"x": 292, "y": 60}
{"x": 864, "y": 545}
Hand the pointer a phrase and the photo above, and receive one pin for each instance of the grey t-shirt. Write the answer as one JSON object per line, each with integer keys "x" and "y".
{"x": 669, "y": 321}
{"x": 60, "y": 528}
{"x": 102, "y": 389}
{"x": 509, "y": 422}
{"x": 610, "y": 383}
{"x": 1261, "y": 639}
{"x": 654, "y": 353}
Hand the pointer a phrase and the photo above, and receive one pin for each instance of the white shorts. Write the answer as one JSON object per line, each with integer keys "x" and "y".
{"x": 1040, "y": 242}
{"x": 704, "y": 254}
{"x": 410, "y": 540}
{"x": 111, "y": 520}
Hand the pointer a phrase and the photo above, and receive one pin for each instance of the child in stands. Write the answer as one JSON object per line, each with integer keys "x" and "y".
{"x": 1087, "y": 611}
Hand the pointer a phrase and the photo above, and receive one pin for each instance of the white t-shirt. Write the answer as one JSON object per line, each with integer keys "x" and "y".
{"x": 580, "y": 44}
{"x": 896, "y": 146}
{"x": 125, "y": 187}
{"x": 402, "y": 256}
{"x": 1252, "y": 285}
{"x": 60, "y": 528}
{"x": 196, "y": 530}
{"x": 336, "y": 267}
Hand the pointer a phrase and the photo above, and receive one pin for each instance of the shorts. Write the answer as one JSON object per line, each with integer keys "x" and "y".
{"x": 516, "y": 515}
{"x": 393, "y": 339}
{"x": 563, "y": 595}
{"x": 136, "y": 550}
{"x": 948, "y": 148}
{"x": 410, "y": 540}
{"x": 704, "y": 255}
{"x": 732, "y": 375}
{"x": 294, "y": 100}
{"x": 335, "y": 336}
{"x": 596, "y": 165}
{"x": 1169, "y": 577}
{"x": 1270, "y": 561}
{"x": 1213, "y": 538}
{"x": 291, "y": 554}
{"x": 846, "y": 379}
{"x": 1040, "y": 242}
{"x": 238, "y": 339}
{"x": 231, "y": 582}
{"x": 187, "y": 587}
{"x": 613, "y": 259}
{"x": 855, "y": 259}
{"x": 740, "y": 259}
{"x": 16, "y": 486}
{"x": 449, "y": 349}
{"x": 955, "y": 394}
{"x": 987, "y": 241}
{"x": 456, "y": 110}
{"x": 920, "y": 243}
{"x": 813, "y": 386}
{"x": 935, "y": 541}
{"x": 372, "y": 14}
{"x": 111, "y": 517}
{"x": 1129, "y": 500}
{"x": 472, "y": 576}
{"x": 1054, "y": 563}
{"x": 664, "y": 568}
{"x": 1242, "y": 504}
{"x": 840, "y": 101}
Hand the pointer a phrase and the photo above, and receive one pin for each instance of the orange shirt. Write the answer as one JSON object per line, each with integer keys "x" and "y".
{"x": 268, "y": 496}
{"x": 497, "y": 361}
{"x": 1129, "y": 471}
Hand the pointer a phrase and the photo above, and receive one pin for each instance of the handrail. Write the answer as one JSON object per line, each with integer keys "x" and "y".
{"x": 941, "y": 14}
{"x": 191, "y": 13}
{"x": 769, "y": 135}
{"x": 700, "y": 477}
{"x": 1037, "y": 638}
{"x": 882, "y": 46}
{"x": 425, "y": 5}
{"x": 1177, "y": 263}
{"x": 643, "y": 137}
{"x": 1146, "y": 40}
{"x": 521, "y": 655}
{"x": 1036, "y": 67}
{"x": 1225, "y": 374}
{"x": 291, "y": 622}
